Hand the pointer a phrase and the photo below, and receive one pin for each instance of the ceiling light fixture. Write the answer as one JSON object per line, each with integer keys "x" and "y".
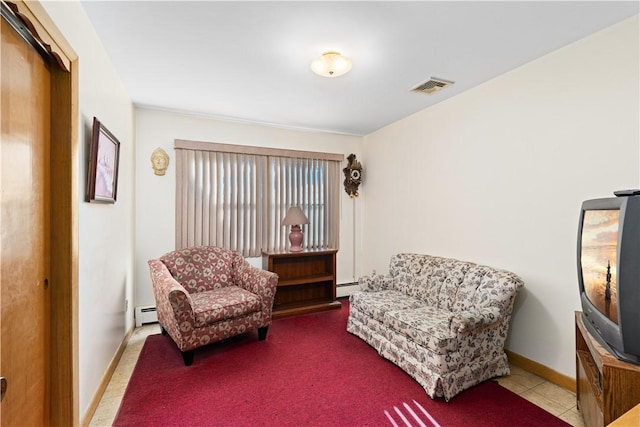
{"x": 331, "y": 64}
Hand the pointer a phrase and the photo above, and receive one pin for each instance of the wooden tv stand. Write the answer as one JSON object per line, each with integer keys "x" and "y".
{"x": 306, "y": 281}
{"x": 606, "y": 387}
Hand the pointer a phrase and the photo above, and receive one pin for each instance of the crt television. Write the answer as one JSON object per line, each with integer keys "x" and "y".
{"x": 609, "y": 273}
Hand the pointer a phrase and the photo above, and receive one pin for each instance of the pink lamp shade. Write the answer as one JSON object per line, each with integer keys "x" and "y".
{"x": 294, "y": 218}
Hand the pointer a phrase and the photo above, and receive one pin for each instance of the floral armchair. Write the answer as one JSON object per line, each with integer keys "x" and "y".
{"x": 207, "y": 294}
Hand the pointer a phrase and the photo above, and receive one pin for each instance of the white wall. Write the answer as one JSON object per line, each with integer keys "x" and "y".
{"x": 155, "y": 195}
{"x": 496, "y": 175}
{"x": 105, "y": 231}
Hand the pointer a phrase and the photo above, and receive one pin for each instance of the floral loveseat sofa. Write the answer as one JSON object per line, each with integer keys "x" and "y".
{"x": 441, "y": 320}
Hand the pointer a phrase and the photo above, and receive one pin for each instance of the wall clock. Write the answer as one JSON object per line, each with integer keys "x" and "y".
{"x": 352, "y": 176}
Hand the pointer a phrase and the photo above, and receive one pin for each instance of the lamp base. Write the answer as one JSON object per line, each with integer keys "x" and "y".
{"x": 295, "y": 238}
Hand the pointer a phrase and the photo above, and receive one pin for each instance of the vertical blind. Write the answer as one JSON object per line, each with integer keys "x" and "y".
{"x": 235, "y": 197}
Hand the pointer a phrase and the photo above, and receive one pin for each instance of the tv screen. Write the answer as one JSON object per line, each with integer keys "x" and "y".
{"x": 599, "y": 259}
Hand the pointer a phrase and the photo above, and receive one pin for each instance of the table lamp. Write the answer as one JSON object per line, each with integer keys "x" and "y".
{"x": 294, "y": 218}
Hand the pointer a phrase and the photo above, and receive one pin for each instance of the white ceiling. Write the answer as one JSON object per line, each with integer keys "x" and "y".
{"x": 250, "y": 60}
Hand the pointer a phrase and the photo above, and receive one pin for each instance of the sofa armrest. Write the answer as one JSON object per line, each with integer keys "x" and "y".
{"x": 466, "y": 321}
{"x": 492, "y": 301}
{"x": 375, "y": 282}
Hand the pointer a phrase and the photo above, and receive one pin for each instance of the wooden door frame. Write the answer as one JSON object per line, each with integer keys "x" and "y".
{"x": 64, "y": 212}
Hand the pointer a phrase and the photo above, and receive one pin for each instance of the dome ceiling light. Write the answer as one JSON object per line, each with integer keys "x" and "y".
{"x": 331, "y": 64}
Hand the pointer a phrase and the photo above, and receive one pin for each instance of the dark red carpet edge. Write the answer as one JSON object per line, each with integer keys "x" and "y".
{"x": 309, "y": 372}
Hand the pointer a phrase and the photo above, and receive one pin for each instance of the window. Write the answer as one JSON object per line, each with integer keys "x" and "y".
{"x": 236, "y": 196}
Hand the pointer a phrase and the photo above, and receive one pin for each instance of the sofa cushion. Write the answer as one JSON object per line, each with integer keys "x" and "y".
{"x": 433, "y": 280}
{"x": 376, "y": 304}
{"x": 427, "y": 326}
{"x": 464, "y": 296}
{"x": 201, "y": 268}
{"x": 224, "y": 303}
{"x": 423, "y": 288}
{"x": 442, "y": 282}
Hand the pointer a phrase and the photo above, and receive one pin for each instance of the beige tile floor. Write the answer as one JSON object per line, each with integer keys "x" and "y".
{"x": 556, "y": 400}
{"x": 550, "y": 397}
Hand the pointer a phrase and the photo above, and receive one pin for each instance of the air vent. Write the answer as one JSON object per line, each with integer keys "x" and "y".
{"x": 432, "y": 85}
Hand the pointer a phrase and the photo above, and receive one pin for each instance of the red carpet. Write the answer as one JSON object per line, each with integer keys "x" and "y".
{"x": 309, "y": 372}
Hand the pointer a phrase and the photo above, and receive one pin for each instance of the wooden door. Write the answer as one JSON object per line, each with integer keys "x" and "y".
{"x": 24, "y": 219}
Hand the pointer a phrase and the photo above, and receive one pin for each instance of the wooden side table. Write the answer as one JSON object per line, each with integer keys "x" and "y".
{"x": 306, "y": 283}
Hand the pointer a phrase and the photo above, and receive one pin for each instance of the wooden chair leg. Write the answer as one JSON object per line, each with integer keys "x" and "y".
{"x": 187, "y": 356}
{"x": 262, "y": 333}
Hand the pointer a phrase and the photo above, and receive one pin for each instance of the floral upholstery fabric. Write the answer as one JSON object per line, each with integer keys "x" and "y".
{"x": 224, "y": 303}
{"x": 427, "y": 326}
{"x": 441, "y": 320}
{"x": 201, "y": 268}
{"x": 208, "y": 294}
{"x": 377, "y": 304}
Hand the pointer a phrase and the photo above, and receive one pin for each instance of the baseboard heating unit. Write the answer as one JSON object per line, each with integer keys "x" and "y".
{"x": 146, "y": 314}
{"x": 345, "y": 289}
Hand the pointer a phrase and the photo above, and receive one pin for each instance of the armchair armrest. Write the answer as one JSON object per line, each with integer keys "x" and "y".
{"x": 258, "y": 281}
{"x": 466, "y": 321}
{"x": 375, "y": 283}
{"x": 172, "y": 299}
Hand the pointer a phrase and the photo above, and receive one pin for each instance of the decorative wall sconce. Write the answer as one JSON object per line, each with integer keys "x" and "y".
{"x": 352, "y": 176}
{"x": 159, "y": 161}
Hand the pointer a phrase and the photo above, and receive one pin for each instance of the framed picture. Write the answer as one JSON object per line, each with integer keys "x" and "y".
{"x": 104, "y": 153}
